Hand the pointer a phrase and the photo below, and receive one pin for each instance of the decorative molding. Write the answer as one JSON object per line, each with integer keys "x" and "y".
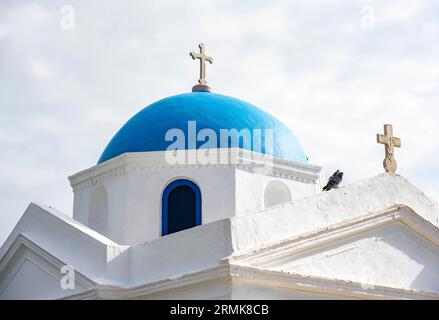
{"x": 231, "y": 272}
{"x": 335, "y": 288}
{"x": 213, "y": 274}
{"x": 238, "y": 158}
{"x": 277, "y": 253}
{"x": 238, "y": 268}
{"x": 23, "y": 241}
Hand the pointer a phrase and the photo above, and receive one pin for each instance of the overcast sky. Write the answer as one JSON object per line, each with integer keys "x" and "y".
{"x": 72, "y": 73}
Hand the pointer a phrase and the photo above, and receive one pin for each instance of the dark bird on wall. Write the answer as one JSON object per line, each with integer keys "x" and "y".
{"x": 334, "y": 181}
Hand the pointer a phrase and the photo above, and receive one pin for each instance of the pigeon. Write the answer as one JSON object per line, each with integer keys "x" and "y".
{"x": 334, "y": 181}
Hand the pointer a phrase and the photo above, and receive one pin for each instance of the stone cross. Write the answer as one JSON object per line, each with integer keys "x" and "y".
{"x": 202, "y": 86}
{"x": 389, "y": 142}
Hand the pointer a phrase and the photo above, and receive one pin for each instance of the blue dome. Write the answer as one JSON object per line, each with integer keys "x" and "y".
{"x": 146, "y": 130}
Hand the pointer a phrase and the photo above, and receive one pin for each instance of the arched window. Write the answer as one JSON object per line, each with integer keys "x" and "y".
{"x": 181, "y": 206}
{"x": 98, "y": 211}
{"x": 276, "y": 192}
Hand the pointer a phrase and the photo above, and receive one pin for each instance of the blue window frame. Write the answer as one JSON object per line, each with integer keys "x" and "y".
{"x": 181, "y": 206}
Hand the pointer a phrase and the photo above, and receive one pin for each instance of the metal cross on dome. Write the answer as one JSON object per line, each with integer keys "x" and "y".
{"x": 390, "y": 142}
{"x": 202, "y": 82}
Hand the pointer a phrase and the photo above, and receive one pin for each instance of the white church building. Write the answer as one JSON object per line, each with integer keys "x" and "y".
{"x": 204, "y": 196}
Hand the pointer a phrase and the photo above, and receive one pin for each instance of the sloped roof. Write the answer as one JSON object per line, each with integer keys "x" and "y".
{"x": 207, "y": 246}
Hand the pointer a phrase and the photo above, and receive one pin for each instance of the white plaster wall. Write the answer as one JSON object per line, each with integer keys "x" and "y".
{"x": 135, "y": 200}
{"x": 329, "y": 208}
{"x": 71, "y": 243}
{"x": 210, "y": 290}
{"x": 391, "y": 256}
{"x": 81, "y": 202}
{"x": 237, "y": 289}
{"x": 98, "y": 211}
{"x": 116, "y": 189}
{"x": 134, "y": 183}
{"x": 390, "y": 250}
{"x": 250, "y": 190}
{"x": 180, "y": 253}
{"x": 246, "y": 289}
{"x": 28, "y": 276}
{"x": 143, "y": 216}
{"x": 275, "y": 193}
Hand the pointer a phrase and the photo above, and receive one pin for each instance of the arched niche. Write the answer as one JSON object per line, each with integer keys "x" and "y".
{"x": 98, "y": 211}
{"x": 275, "y": 193}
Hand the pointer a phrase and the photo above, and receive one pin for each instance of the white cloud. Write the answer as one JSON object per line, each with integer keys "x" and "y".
{"x": 41, "y": 70}
{"x": 397, "y": 10}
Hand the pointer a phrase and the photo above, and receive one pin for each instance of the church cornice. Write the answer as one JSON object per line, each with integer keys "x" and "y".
{"x": 236, "y": 158}
{"x": 277, "y": 254}
{"x": 252, "y": 267}
{"x": 21, "y": 241}
{"x": 324, "y": 286}
{"x": 230, "y": 272}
